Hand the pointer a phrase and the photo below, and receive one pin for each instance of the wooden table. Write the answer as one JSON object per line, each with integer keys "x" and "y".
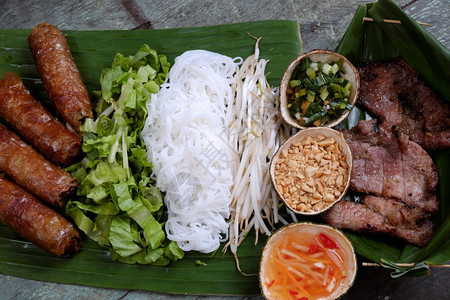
{"x": 321, "y": 27}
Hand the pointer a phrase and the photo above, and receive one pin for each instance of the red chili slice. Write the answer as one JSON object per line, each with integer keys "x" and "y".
{"x": 328, "y": 242}
{"x": 313, "y": 248}
{"x": 331, "y": 271}
{"x": 269, "y": 284}
{"x": 303, "y": 298}
{"x": 293, "y": 293}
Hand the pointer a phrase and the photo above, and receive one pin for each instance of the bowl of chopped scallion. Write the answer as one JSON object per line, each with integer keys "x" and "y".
{"x": 318, "y": 88}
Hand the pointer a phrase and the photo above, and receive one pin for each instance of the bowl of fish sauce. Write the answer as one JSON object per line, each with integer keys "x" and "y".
{"x": 307, "y": 261}
{"x": 318, "y": 88}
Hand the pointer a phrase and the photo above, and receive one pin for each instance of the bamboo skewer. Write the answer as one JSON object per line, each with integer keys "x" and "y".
{"x": 369, "y": 264}
{"x": 394, "y": 21}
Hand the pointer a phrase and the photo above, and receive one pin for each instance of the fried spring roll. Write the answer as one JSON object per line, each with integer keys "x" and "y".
{"x": 35, "y": 221}
{"x": 35, "y": 123}
{"x": 32, "y": 171}
{"x": 60, "y": 75}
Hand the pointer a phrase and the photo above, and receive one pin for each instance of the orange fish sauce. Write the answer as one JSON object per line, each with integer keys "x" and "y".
{"x": 304, "y": 265}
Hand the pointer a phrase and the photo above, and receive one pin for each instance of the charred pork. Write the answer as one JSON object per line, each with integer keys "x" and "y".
{"x": 396, "y": 94}
{"x": 399, "y": 180}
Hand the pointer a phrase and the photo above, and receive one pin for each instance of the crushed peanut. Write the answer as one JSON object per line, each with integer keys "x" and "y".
{"x": 311, "y": 174}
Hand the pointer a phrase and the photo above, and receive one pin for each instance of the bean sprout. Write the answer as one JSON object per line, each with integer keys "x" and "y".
{"x": 257, "y": 131}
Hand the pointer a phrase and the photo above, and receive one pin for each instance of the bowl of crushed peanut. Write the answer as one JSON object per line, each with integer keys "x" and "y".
{"x": 311, "y": 171}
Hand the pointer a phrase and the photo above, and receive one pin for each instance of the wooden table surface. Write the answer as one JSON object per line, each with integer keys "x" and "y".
{"x": 322, "y": 24}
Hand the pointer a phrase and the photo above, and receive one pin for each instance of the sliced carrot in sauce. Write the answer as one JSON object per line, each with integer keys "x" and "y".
{"x": 298, "y": 274}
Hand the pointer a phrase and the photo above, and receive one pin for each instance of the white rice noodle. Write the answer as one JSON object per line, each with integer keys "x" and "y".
{"x": 211, "y": 132}
{"x": 187, "y": 144}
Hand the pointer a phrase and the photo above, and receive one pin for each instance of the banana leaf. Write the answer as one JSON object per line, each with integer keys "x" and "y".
{"x": 217, "y": 274}
{"x": 196, "y": 273}
{"x": 378, "y": 41}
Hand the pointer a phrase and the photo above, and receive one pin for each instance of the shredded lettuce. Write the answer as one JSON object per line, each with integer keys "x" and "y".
{"x": 117, "y": 204}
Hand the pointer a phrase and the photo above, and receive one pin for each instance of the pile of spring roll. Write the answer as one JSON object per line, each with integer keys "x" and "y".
{"x": 35, "y": 145}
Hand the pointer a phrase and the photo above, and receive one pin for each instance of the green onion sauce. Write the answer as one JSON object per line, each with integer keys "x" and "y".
{"x": 317, "y": 93}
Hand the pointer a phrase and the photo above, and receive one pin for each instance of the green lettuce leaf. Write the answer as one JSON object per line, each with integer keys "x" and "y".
{"x": 117, "y": 204}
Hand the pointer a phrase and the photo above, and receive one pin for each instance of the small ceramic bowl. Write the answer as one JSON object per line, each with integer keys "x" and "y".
{"x": 311, "y": 171}
{"x": 307, "y": 260}
{"x": 325, "y": 56}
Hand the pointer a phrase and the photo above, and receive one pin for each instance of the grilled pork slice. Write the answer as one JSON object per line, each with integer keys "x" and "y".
{"x": 396, "y": 93}
{"x": 397, "y": 213}
{"x": 385, "y": 168}
{"x": 381, "y": 215}
{"x": 399, "y": 180}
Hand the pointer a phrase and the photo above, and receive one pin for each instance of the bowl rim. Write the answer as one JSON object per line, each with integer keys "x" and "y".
{"x": 287, "y": 75}
{"x": 352, "y": 259}
{"x": 305, "y": 133}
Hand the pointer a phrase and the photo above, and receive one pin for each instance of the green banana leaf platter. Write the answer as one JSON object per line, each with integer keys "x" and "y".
{"x": 378, "y": 41}
{"x": 216, "y": 273}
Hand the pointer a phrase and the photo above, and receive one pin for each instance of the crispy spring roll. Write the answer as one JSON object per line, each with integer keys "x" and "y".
{"x": 33, "y": 171}
{"x": 35, "y": 221}
{"x": 35, "y": 123}
{"x": 60, "y": 75}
